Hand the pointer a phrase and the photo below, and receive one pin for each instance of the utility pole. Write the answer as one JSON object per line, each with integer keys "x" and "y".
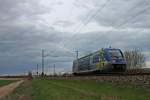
{"x": 24, "y": 73}
{"x": 42, "y": 62}
{"x": 77, "y": 54}
{"x": 77, "y": 58}
{"x": 50, "y": 70}
{"x": 37, "y": 70}
{"x": 54, "y": 69}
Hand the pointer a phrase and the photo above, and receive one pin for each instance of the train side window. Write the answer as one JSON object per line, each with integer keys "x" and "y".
{"x": 96, "y": 58}
{"x": 99, "y": 58}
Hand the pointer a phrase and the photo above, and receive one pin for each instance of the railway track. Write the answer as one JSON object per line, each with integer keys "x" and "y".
{"x": 115, "y": 74}
{"x": 107, "y": 76}
{"x": 139, "y": 79}
{"x": 131, "y": 72}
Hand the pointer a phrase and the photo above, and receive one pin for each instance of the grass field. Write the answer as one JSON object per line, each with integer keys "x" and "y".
{"x": 5, "y": 82}
{"x": 39, "y": 89}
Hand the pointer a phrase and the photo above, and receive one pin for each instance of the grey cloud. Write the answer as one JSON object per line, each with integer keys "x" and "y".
{"x": 63, "y": 23}
{"x": 120, "y": 12}
{"x": 21, "y": 41}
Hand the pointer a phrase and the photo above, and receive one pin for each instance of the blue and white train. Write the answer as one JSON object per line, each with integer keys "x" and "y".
{"x": 101, "y": 61}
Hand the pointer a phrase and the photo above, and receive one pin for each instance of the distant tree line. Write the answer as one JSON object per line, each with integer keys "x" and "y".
{"x": 135, "y": 58}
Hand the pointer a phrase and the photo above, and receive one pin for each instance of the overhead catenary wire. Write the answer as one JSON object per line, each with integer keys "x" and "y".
{"x": 88, "y": 20}
{"x": 133, "y": 17}
{"x": 127, "y": 20}
{"x": 124, "y": 22}
{"x": 94, "y": 15}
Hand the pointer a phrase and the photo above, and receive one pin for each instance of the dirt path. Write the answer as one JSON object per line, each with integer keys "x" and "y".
{"x": 5, "y": 90}
{"x": 11, "y": 78}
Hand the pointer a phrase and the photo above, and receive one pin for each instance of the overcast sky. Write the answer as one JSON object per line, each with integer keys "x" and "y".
{"x": 61, "y": 27}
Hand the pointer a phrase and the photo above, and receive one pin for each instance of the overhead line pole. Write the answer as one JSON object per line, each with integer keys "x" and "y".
{"x": 37, "y": 70}
{"x": 50, "y": 70}
{"x": 54, "y": 69}
{"x": 77, "y": 52}
{"x": 42, "y": 62}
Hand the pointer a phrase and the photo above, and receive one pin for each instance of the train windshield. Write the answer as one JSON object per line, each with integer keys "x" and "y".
{"x": 115, "y": 54}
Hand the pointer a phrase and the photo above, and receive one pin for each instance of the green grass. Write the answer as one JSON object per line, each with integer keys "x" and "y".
{"x": 39, "y": 89}
{"x": 5, "y": 82}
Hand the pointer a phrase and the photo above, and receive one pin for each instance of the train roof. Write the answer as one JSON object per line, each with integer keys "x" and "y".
{"x": 89, "y": 54}
{"x": 111, "y": 49}
{"x": 98, "y": 51}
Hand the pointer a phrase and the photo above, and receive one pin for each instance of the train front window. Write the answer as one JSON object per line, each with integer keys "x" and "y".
{"x": 115, "y": 54}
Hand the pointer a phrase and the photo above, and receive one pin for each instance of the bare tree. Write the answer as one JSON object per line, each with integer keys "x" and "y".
{"x": 135, "y": 58}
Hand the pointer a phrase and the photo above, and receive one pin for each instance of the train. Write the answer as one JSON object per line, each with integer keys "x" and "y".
{"x": 105, "y": 60}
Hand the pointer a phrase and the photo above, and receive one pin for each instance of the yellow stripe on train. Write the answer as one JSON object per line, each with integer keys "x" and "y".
{"x": 99, "y": 64}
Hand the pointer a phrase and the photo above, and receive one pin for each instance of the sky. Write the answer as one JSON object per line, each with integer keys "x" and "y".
{"x": 61, "y": 27}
